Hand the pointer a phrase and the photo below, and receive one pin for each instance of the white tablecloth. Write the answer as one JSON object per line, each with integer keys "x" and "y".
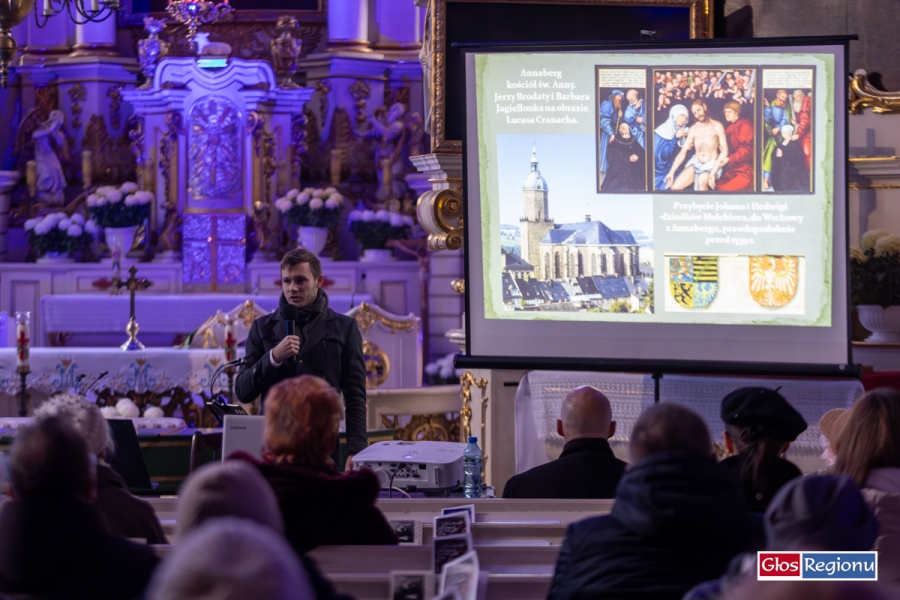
{"x": 153, "y": 370}
{"x": 172, "y": 314}
{"x": 540, "y": 395}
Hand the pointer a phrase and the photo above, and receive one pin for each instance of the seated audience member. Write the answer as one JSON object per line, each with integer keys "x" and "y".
{"x": 678, "y": 518}
{"x": 831, "y": 424}
{"x": 759, "y": 427}
{"x": 53, "y": 542}
{"x": 236, "y": 489}
{"x": 231, "y": 559}
{"x": 816, "y": 513}
{"x": 868, "y": 450}
{"x": 587, "y": 467}
{"x": 320, "y": 506}
{"x": 126, "y": 514}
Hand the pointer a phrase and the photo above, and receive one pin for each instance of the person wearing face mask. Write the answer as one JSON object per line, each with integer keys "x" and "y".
{"x": 324, "y": 343}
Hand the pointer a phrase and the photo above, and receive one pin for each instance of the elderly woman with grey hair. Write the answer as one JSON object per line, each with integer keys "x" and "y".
{"x": 126, "y": 514}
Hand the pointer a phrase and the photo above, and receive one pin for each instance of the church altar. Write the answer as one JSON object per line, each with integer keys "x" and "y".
{"x": 100, "y": 319}
{"x": 175, "y": 380}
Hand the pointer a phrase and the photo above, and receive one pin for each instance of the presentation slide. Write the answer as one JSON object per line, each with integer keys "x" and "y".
{"x": 674, "y": 187}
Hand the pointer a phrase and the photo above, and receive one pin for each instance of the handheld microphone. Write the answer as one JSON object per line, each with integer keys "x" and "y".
{"x": 290, "y": 313}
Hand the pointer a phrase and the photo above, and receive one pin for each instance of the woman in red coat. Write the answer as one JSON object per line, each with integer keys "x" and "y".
{"x": 738, "y": 167}
{"x": 320, "y": 506}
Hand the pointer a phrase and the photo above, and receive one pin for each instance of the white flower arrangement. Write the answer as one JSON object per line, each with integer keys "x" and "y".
{"x": 123, "y": 206}
{"x": 373, "y": 229}
{"x": 311, "y": 207}
{"x": 58, "y": 232}
{"x": 875, "y": 270}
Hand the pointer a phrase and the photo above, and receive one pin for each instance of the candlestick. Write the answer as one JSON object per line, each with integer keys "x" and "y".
{"x": 230, "y": 341}
{"x": 31, "y": 177}
{"x": 23, "y": 341}
{"x": 86, "y": 167}
{"x": 95, "y": 5}
{"x": 23, "y": 392}
{"x": 335, "y": 167}
{"x": 48, "y": 9}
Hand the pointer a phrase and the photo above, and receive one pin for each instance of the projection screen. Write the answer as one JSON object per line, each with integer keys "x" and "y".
{"x": 681, "y": 202}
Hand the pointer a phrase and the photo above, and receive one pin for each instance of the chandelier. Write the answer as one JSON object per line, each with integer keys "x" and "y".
{"x": 13, "y": 12}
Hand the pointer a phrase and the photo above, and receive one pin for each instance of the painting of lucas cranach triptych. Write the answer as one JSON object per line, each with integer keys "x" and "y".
{"x": 703, "y": 128}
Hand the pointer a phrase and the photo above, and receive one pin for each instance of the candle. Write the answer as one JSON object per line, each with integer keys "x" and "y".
{"x": 230, "y": 341}
{"x": 23, "y": 341}
{"x": 31, "y": 176}
{"x": 86, "y": 167}
{"x": 48, "y": 10}
{"x": 95, "y": 5}
{"x": 335, "y": 166}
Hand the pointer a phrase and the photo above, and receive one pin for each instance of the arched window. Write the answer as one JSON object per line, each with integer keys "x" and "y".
{"x": 557, "y": 268}
{"x": 580, "y": 264}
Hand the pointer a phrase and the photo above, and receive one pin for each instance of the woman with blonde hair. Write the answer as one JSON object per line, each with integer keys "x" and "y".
{"x": 868, "y": 450}
{"x": 320, "y": 505}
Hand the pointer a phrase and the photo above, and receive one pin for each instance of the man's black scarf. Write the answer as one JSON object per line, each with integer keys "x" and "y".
{"x": 309, "y": 314}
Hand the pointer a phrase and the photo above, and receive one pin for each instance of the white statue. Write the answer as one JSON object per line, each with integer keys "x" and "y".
{"x": 51, "y": 182}
{"x": 208, "y": 48}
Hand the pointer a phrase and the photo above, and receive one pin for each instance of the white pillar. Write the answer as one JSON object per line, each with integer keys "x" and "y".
{"x": 348, "y": 24}
{"x": 8, "y": 179}
{"x": 96, "y": 39}
{"x": 400, "y": 24}
{"x": 46, "y": 43}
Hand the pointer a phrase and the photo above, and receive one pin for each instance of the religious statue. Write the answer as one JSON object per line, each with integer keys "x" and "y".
{"x": 390, "y": 133}
{"x": 153, "y": 49}
{"x": 285, "y": 51}
{"x": 208, "y": 48}
{"x": 51, "y": 181}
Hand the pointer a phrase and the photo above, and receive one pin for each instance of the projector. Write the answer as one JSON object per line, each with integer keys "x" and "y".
{"x": 416, "y": 466}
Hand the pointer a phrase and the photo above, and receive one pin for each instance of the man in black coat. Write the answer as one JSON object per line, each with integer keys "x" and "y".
{"x": 54, "y": 544}
{"x": 678, "y": 519}
{"x": 587, "y": 467}
{"x": 325, "y": 344}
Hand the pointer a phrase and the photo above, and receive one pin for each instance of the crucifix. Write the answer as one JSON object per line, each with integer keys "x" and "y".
{"x": 133, "y": 284}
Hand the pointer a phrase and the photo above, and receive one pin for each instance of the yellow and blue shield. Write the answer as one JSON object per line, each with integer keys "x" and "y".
{"x": 694, "y": 280}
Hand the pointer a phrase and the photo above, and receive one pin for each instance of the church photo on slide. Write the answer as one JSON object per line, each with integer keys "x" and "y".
{"x": 553, "y": 261}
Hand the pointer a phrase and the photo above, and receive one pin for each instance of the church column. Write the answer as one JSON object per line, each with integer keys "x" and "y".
{"x": 348, "y": 24}
{"x": 399, "y": 25}
{"x": 49, "y": 42}
{"x": 96, "y": 39}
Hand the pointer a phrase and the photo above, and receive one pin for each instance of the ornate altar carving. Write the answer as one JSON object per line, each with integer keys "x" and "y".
{"x": 115, "y": 105}
{"x": 366, "y": 316}
{"x": 467, "y": 381}
{"x": 378, "y": 365}
{"x": 111, "y": 159}
{"x": 421, "y": 428}
{"x": 77, "y": 95}
{"x": 286, "y": 51}
{"x": 152, "y": 49}
{"x": 215, "y": 149}
{"x": 440, "y": 213}
{"x": 863, "y": 96}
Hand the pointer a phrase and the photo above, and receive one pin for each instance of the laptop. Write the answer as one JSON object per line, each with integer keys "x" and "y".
{"x": 128, "y": 458}
{"x": 242, "y": 432}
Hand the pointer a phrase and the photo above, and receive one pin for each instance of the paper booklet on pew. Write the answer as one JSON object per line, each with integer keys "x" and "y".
{"x": 468, "y": 508}
{"x": 465, "y": 577}
{"x": 412, "y": 585}
{"x": 408, "y": 532}
{"x": 452, "y": 538}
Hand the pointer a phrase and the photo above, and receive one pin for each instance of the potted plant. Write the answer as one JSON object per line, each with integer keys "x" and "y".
{"x": 373, "y": 230}
{"x": 312, "y": 212}
{"x": 57, "y": 237}
{"x": 119, "y": 211}
{"x": 875, "y": 284}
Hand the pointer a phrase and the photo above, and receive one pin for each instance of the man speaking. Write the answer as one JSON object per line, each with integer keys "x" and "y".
{"x": 305, "y": 337}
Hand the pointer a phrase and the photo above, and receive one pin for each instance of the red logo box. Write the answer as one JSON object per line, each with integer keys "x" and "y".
{"x": 778, "y": 565}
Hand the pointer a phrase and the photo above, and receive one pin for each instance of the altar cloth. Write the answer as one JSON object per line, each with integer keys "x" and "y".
{"x": 168, "y": 315}
{"x": 151, "y": 371}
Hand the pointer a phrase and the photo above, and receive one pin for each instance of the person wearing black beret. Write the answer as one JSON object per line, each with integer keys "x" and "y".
{"x": 759, "y": 426}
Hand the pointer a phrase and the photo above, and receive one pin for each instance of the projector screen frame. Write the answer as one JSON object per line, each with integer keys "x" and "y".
{"x": 659, "y": 367}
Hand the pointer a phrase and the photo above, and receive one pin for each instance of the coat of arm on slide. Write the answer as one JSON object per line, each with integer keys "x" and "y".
{"x": 773, "y": 279}
{"x": 694, "y": 280}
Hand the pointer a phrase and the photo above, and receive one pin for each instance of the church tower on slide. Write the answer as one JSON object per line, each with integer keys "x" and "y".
{"x": 536, "y": 221}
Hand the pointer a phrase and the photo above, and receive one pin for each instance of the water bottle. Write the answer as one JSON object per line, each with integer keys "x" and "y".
{"x": 472, "y": 468}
